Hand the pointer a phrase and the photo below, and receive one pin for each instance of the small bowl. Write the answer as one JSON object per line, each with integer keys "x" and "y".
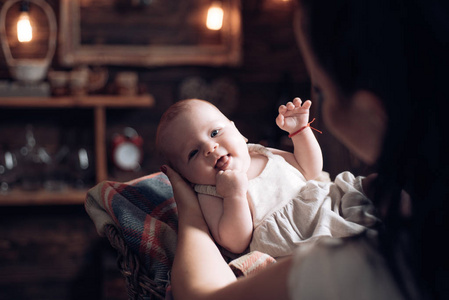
{"x": 29, "y": 70}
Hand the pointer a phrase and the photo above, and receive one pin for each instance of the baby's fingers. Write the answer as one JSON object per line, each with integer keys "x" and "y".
{"x": 280, "y": 120}
{"x": 282, "y": 109}
{"x": 290, "y": 106}
{"x": 307, "y": 104}
{"x": 297, "y": 102}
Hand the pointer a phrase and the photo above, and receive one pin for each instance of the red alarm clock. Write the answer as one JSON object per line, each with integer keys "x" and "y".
{"x": 127, "y": 150}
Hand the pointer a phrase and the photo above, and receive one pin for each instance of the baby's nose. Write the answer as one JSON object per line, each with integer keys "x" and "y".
{"x": 210, "y": 148}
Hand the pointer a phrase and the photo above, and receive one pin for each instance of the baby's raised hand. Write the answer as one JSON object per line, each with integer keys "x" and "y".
{"x": 293, "y": 115}
{"x": 231, "y": 183}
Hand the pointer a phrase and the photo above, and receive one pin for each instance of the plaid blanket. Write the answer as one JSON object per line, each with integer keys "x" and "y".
{"x": 145, "y": 213}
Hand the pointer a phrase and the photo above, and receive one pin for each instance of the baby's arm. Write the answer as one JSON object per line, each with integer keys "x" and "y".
{"x": 229, "y": 219}
{"x": 307, "y": 152}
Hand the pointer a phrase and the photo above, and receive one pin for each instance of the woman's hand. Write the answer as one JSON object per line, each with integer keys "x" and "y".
{"x": 185, "y": 198}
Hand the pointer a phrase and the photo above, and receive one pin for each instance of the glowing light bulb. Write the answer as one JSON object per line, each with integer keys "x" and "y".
{"x": 215, "y": 16}
{"x": 24, "y": 29}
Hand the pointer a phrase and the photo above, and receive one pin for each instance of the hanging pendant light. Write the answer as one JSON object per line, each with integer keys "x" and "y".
{"x": 29, "y": 70}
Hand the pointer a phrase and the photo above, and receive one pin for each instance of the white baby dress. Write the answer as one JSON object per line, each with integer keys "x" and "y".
{"x": 288, "y": 211}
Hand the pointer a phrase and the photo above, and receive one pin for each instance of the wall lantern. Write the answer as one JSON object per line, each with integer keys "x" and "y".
{"x": 27, "y": 70}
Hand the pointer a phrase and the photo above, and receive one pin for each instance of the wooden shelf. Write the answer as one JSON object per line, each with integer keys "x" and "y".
{"x": 78, "y": 101}
{"x": 65, "y": 196}
{"x": 99, "y": 104}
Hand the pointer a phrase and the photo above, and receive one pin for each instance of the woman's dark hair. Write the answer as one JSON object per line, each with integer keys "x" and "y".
{"x": 399, "y": 50}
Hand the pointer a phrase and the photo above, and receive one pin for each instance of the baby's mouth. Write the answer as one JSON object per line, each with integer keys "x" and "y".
{"x": 223, "y": 162}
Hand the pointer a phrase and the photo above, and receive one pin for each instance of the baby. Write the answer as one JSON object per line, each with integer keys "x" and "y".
{"x": 260, "y": 197}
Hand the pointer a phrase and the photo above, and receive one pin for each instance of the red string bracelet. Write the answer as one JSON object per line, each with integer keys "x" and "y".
{"x": 302, "y": 128}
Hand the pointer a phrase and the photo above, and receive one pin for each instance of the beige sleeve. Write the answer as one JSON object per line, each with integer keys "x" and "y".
{"x": 347, "y": 268}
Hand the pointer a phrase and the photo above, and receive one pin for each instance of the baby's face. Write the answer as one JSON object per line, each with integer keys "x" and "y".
{"x": 201, "y": 141}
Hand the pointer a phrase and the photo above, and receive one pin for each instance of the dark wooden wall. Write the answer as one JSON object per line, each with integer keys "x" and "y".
{"x": 53, "y": 252}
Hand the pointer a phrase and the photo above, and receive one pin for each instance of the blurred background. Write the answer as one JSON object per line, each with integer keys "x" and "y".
{"x": 82, "y": 88}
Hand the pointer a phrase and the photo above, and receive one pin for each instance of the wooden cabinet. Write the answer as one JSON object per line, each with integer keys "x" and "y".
{"x": 98, "y": 104}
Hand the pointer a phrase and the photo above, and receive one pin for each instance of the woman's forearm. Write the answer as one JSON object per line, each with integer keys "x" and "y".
{"x": 268, "y": 284}
{"x": 198, "y": 269}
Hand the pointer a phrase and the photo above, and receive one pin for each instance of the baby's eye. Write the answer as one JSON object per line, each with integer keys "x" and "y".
{"x": 214, "y": 133}
{"x": 192, "y": 153}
